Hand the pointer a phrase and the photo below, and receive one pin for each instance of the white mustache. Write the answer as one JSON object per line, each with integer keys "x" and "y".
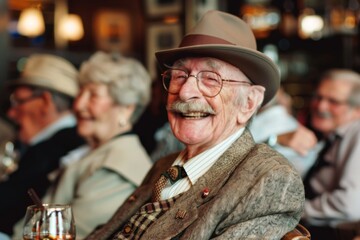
{"x": 324, "y": 114}
{"x": 187, "y": 107}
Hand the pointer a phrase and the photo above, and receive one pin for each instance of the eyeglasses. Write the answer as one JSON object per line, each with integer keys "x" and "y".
{"x": 209, "y": 83}
{"x": 331, "y": 101}
{"x": 18, "y": 101}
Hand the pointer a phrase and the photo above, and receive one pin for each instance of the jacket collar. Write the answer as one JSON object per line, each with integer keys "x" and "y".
{"x": 213, "y": 180}
{"x": 133, "y": 164}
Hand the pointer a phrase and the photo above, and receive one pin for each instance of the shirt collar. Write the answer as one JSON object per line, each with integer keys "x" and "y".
{"x": 198, "y": 165}
{"x": 64, "y": 122}
{"x": 342, "y": 130}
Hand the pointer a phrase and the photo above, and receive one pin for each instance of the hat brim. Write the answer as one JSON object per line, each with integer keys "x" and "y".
{"x": 38, "y": 82}
{"x": 259, "y": 68}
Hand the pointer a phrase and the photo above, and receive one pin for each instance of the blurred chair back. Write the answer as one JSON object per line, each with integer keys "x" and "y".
{"x": 298, "y": 233}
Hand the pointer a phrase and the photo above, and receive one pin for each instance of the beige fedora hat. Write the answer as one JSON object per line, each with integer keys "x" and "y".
{"x": 228, "y": 38}
{"x": 50, "y": 72}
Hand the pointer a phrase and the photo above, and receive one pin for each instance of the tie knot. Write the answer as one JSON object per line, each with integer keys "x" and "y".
{"x": 175, "y": 173}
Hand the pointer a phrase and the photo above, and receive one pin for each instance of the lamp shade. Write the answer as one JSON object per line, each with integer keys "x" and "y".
{"x": 310, "y": 24}
{"x": 71, "y": 27}
{"x": 31, "y": 22}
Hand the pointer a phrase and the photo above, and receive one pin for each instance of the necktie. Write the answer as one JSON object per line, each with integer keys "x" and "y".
{"x": 173, "y": 174}
{"x": 319, "y": 163}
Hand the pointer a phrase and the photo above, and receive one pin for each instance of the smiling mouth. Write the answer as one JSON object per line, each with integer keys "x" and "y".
{"x": 194, "y": 115}
{"x": 84, "y": 119}
{"x": 191, "y": 110}
{"x": 323, "y": 115}
{"x": 83, "y": 116}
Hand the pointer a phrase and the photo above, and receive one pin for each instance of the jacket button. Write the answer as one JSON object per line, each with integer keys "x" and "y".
{"x": 180, "y": 214}
{"x": 127, "y": 230}
{"x": 132, "y": 198}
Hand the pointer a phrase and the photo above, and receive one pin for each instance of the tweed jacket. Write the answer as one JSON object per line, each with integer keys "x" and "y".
{"x": 254, "y": 194}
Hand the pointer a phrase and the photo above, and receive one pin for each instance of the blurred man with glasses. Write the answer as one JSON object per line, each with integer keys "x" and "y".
{"x": 332, "y": 185}
{"x": 40, "y": 106}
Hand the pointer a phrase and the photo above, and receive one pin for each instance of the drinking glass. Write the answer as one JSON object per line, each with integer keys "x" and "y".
{"x": 49, "y": 222}
{"x": 8, "y": 160}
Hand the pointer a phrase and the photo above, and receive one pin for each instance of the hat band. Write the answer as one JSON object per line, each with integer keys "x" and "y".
{"x": 198, "y": 39}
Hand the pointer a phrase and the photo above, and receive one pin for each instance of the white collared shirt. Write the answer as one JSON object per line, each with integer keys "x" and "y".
{"x": 197, "y": 166}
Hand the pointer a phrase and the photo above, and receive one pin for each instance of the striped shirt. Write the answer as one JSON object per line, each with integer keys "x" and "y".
{"x": 197, "y": 166}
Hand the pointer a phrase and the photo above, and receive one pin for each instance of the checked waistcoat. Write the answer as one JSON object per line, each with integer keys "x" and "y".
{"x": 143, "y": 219}
{"x": 148, "y": 213}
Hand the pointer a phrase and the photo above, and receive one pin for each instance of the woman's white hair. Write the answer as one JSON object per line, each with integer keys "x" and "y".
{"x": 126, "y": 78}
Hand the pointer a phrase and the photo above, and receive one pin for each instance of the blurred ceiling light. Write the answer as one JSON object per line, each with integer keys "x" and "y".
{"x": 310, "y": 24}
{"x": 350, "y": 19}
{"x": 31, "y": 23}
{"x": 262, "y": 19}
{"x": 71, "y": 27}
{"x": 171, "y": 19}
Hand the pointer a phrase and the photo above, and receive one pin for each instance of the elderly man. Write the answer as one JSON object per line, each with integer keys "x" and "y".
{"x": 228, "y": 187}
{"x": 332, "y": 185}
{"x": 41, "y": 100}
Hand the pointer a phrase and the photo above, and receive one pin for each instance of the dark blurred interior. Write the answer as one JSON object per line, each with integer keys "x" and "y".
{"x": 304, "y": 37}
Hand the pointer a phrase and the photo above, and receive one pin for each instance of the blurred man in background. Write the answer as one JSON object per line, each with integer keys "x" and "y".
{"x": 40, "y": 106}
{"x": 332, "y": 185}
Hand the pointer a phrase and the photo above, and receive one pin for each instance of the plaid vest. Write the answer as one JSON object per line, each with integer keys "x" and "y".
{"x": 142, "y": 220}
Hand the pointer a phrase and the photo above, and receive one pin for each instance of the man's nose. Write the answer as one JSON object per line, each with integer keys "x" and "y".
{"x": 80, "y": 101}
{"x": 190, "y": 88}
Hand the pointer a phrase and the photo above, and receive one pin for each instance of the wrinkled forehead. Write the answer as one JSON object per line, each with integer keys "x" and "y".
{"x": 335, "y": 86}
{"x": 205, "y": 61}
{"x": 335, "y": 90}
{"x": 212, "y": 64}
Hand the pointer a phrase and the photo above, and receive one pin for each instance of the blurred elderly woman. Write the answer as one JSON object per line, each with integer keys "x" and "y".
{"x": 114, "y": 92}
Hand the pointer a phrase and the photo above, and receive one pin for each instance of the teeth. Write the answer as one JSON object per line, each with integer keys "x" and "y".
{"x": 195, "y": 115}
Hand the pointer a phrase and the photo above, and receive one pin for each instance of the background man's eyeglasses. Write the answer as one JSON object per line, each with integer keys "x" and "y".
{"x": 14, "y": 102}
{"x": 331, "y": 101}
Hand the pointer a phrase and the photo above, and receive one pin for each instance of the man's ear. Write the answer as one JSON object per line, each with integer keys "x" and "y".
{"x": 48, "y": 106}
{"x": 47, "y": 98}
{"x": 357, "y": 112}
{"x": 254, "y": 99}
